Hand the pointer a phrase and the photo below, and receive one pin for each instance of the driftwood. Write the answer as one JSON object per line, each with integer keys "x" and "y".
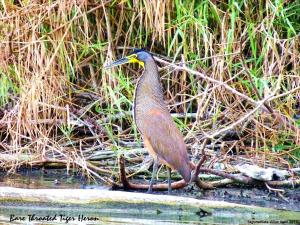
{"x": 263, "y": 174}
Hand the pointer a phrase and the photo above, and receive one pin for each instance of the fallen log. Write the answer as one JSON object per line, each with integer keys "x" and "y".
{"x": 95, "y": 206}
{"x": 96, "y": 196}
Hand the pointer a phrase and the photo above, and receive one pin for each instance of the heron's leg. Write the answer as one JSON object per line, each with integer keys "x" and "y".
{"x": 169, "y": 180}
{"x": 154, "y": 172}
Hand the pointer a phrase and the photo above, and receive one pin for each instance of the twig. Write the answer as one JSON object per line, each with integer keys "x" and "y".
{"x": 129, "y": 113}
{"x": 184, "y": 68}
{"x": 295, "y": 170}
{"x": 200, "y": 163}
{"x": 274, "y": 189}
{"x": 221, "y": 183}
{"x": 278, "y": 192}
{"x": 259, "y": 104}
{"x": 195, "y": 176}
{"x": 239, "y": 121}
{"x": 236, "y": 177}
{"x": 284, "y": 183}
{"x": 122, "y": 173}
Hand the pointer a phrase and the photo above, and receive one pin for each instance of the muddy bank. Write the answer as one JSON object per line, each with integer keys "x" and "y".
{"x": 252, "y": 196}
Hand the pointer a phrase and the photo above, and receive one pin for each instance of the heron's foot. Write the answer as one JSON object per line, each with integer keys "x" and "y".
{"x": 149, "y": 190}
{"x": 169, "y": 188}
{"x": 154, "y": 172}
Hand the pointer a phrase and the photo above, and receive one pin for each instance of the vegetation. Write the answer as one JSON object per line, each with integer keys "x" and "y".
{"x": 230, "y": 71}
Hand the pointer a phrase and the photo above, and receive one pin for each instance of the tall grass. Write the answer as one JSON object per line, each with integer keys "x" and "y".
{"x": 52, "y": 53}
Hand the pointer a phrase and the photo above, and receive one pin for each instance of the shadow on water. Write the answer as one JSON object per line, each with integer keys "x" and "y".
{"x": 113, "y": 213}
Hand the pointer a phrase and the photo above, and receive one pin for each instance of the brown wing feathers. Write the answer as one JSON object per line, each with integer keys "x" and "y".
{"x": 163, "y": 139}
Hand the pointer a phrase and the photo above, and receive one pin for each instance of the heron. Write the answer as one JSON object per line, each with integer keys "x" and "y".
{"x": 161, "y": 137}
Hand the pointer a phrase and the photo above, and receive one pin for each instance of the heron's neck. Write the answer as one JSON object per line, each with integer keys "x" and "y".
{"x": 150, "y": 82}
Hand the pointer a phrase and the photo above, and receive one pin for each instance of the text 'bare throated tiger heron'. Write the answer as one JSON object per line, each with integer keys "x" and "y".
{"x": 161, "y": 137}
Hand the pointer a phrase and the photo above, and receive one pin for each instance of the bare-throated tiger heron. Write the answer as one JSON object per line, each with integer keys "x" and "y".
{"x": 161, "y": 137}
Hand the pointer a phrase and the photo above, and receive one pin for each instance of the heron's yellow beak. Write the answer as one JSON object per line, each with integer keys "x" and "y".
{"x": 128, "y": 59}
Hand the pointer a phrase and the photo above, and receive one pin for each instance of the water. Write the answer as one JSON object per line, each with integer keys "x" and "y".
{"x": 128, "y": 214}
{"x": 18, "y": 212}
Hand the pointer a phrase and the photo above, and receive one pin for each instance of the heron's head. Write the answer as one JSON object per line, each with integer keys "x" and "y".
{"x": 138, "y": 56}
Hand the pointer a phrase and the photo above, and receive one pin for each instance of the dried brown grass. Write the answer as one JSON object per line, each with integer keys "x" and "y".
{"x": 53, "y": 52}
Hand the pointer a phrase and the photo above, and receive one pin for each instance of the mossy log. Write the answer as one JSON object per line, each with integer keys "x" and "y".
{"x": 103, "y": 198}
